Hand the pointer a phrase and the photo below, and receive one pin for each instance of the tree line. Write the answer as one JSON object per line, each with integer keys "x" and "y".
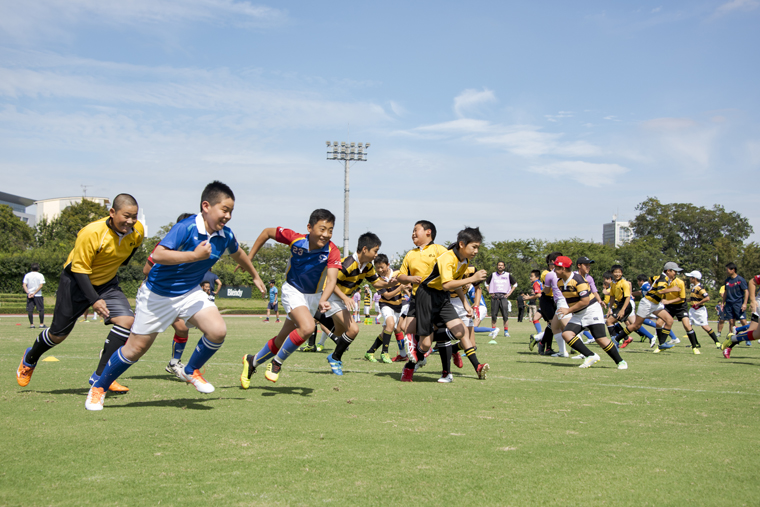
{"x": 695, "y": 237}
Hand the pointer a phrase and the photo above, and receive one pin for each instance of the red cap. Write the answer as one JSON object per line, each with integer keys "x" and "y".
{"x": 563, "y": 262}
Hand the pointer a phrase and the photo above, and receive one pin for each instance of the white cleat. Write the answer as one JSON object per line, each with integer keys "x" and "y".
{"x": 95, "y": 398}
{"x": 493, "y": 334}
{"x": 622, "y": 365}
{"x": 589, "y": 361}
{"x": 448, "y": 379}
{"x": 198, "y": 381}
{"x": 560, "y": 354}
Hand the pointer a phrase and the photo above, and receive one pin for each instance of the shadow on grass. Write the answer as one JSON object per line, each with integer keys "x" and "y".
{"x": 181, "y": 403}
{"x": 164, "y": 376}
{"x": 274, "y": 391}
{"x": 78, "y": 390}
{"x": 559, "y": 365}
{"x": 419, "y": 376}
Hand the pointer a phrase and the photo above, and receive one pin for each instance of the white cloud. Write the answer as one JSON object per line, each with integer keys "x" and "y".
{"x": 397, "y": 108}
{"x": 585, "y": 173}
{"x": 470, "y": 101}
{"x": 24, "y": 20}
{"x": 656, "y": 10}
{"x": 683, "y": 141}
{"x": 669, "y": 124}
{"x": 737, "y": 5}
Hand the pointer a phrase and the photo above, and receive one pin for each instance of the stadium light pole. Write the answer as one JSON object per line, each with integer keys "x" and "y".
{"x": 346, "y": 153}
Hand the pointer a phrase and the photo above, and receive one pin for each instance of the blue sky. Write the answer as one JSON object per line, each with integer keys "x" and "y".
{"x": 484, "y": 113}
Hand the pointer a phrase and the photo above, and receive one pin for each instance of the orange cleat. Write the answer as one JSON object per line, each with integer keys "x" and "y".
{"x": 24, "y": 372}
{"x": 118, "y": 388}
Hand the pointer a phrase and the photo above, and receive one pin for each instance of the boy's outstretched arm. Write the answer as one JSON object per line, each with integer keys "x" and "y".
{"x": 245, "y": 263}
{"x": 266, "y": 235}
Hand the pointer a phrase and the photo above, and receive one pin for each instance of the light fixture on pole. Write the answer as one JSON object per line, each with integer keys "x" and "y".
{"x": 346, "y": 153}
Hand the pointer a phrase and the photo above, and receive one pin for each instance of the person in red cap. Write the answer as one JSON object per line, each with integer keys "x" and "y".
{"x": 584, "y": 313}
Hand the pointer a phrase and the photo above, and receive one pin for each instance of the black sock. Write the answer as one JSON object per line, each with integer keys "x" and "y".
{"x": 472, "y": 356}
{"x": 577, "y": 345}
{"x": 42, "y": 318}
{"x": 713, "y": 336}
{"x": 386, "y": 342}
{"x": 341, "y": 345}
{"x": 611, "y": 329}
{"x": 31, "y": 319}
{"x": 613, "y": 352}
{"x": 114, "y": 341}
{"x": 444, "y": 350}
{"x": 442, "y": 335}
{"x": 619, "y": 329}
{"x": 547, "y": 340}
{"x": 313, "y": 338}
{"x": 42, "y": 344}
{"x": 375, "y": 345}
{"x": 693, "y": 339}
{"x": 662, "y": 336}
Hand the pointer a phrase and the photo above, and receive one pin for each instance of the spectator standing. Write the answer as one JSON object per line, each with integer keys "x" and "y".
{"x": 33, "y": 282}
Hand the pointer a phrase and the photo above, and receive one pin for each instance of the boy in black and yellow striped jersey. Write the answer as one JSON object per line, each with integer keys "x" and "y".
{"x": 585, "y": 312}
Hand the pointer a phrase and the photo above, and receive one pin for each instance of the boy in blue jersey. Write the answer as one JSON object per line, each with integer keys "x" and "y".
{"x": 173, "y": 290}
{"x": 314, "y": 263}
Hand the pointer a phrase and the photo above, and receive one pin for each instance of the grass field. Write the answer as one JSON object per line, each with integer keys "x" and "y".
{"x": 674, "y": 429}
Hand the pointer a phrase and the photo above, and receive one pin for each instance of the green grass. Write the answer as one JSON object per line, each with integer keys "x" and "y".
{"x": 675, "y": 429}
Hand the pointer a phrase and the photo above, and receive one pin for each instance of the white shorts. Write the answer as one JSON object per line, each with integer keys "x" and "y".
{"x": 377, "y": 307}
{"x": 404, "y": 310}
{"x": 483, "y": 312}
{"x": 647, "y": 308}
{"x": 336, "y": 305}
{"x": 698, "y": 317}
{"x": 292, "y": 298}
{"x": 588, "y": 316}
{"x": 459, "y": 307}
{"x": 562, "y": 303}
{"x": 388, "y": 313}
{"x": 154, "y": 313}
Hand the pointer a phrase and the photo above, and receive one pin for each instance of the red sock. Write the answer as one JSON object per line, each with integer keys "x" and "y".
{"x": 399, "y": 336}
{"x": 180, "y": 339}
{"x": 506, "y": 328}
{"x": 750, "y": 335}
{"x": 273, "y": 348}
{"x": 296, "y": 338}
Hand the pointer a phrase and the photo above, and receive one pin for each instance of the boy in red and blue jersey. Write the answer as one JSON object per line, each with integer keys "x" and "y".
{"x": 173, "y": 290}
{"x": 314, "y": 263}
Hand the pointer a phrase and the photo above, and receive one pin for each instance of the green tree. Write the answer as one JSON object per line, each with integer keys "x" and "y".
{"x": 61, "y": 232}
{"x": 687, "y": 233}
{"x": 16, "y": 236}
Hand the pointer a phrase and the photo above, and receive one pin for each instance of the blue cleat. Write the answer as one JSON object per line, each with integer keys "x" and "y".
{"x": 337, "y": 366}
{"x": 667, "y": 345}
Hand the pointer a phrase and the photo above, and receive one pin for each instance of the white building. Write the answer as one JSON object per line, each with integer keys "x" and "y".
{"x": 51, "y": 208}
{"x": 616, "y": 233}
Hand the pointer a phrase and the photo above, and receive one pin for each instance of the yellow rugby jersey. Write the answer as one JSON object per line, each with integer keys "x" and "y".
{"x": 99, "y": 250}
{"x": 468, "y": 272}
{"x": 697, "y": 294}
{"x": 574, "y": 289}
{"x": 547, "y": 290}
{"x": 447, "y": 267}
{"x": 394, "y": 302}
{"x": 658, "y": 283}
{"x": 672, "y": 296}
{"x": 367, "y": 298}
{"x": 619, "y": 291}
{"x": 351, "y": 274}
{"x": 421, "y": 260}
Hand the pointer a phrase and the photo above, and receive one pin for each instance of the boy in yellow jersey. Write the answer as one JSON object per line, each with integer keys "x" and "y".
{"x": 676, "y": 306}
{"x": 355, "y": 269}
{"x": 89, "y": 279}
{"x": 433, "y": 304}
{"x": 697, "y": 298}
{"x": 417, "y": 264}
{"x": 651, "y": 304}
{"x": 621, "y": 307}
{"x": 390, "y": 309}
{"x": 584, "y": 312}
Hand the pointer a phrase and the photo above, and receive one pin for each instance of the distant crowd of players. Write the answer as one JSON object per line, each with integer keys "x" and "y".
{"x": 433, "y": 301}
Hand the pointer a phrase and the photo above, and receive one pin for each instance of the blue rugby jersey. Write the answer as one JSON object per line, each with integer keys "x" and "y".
{"x": 172, "y": 281}
{"x": 307, "y": 269}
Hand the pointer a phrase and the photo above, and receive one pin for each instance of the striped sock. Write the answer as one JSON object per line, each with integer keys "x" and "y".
{"x": 114, "y": 341}
{"x": 202, "y": 353}
{"x": 613, "y": 352}
{"x": 178, "y": 346}
{"x": 537, "y": 325}
{"x": 116, "y": 366}
{"x": 292, "y": 342}
{"x": 42, "y": 344}
{"x": 266, "y": 353}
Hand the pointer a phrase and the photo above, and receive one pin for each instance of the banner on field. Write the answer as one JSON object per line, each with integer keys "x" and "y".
{"x": 234, "y": 291}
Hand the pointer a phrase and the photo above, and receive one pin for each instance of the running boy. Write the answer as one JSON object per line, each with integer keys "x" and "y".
{"x": 89, "y": 279}
{"x": 173, "y": 290}
{"x": 697, "y": 298}
{"x": 313, "y": 265}
{"x": 390, "y": 309}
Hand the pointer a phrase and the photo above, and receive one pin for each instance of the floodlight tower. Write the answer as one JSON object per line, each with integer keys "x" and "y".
{"x": 346, "y": 153}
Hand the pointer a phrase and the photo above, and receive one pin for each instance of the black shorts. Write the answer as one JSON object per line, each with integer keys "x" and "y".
{"x": 547, "y": 307}
{"x": 734, "y": 311}
{"x": 433, "y": 307}
{"x": 36, "y": 301}
{"x": 412, "y": 310}
{"x": 628, "y": 312}
{"x": 499, "y": 305}
{"x": 678, "y": 312}
{"x": 272, "y": 306}
{"x": 71, "y": 303}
